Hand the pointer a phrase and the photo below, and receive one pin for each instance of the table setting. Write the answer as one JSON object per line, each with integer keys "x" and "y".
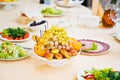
{"x": 61, "y": 40}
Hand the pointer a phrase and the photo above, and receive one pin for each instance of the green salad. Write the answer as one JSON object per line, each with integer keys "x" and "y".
{"x": 51, "y": 11}
{"x": 102, "y": 74}
{"x": 10, "y": 51}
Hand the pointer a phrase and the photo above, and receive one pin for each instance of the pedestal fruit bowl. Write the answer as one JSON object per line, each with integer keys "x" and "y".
{"x": 55, "y": 47}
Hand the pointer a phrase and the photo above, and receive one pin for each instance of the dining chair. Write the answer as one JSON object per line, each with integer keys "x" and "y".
{"x": 97, "y": 8}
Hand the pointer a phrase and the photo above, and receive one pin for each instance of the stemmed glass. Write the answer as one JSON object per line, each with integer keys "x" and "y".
{"x": 78, "y": 3}
{"x": 115, "y": 15}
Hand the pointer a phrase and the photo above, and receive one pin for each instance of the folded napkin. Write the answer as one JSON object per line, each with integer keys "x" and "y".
{"x": 89, "y": 21}
{"x": 29, "y": 13}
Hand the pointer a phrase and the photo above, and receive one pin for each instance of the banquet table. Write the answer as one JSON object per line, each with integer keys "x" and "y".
{"x": 32, "y": 68}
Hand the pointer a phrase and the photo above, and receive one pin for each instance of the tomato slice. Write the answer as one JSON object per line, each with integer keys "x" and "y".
{"x": 89, "y": 76}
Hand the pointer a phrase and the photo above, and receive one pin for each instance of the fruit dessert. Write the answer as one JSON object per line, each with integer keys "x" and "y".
{"x": 101, "y": 74}
{"x": 12, "y": 33}
{"x": 56, "y": 44}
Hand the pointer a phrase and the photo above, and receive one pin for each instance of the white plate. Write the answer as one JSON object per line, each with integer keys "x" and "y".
{"x": 62, "y": 3}
{"x": 79, "y": 77}
{"x": 102, "y": 47}
{"x": 5, "y": 39}
{"x": 28, "y": 54}
{"x": 8, "y": 5}
{"x": 8, "y": 2}
{"x": 50, "y": 15}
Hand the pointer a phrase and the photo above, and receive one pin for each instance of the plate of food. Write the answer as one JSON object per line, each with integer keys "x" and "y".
{"x": 8, "y": 4}
{"x": 52, "y": 12}
{"x": 99, "y": 74}
{"x": 94, "y": 47}
{"x": 55, "y": 47}
{"x": 10, "y": 51}
{"x": 14, "y": 34}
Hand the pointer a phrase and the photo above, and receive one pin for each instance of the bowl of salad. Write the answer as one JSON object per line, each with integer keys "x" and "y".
{"x": 52, "y": 12}
{"x": 10, "y": 51}
{"x": 99, "y": 74}
{"x": 14, "y": 34}
{"x": 55, "y": 47}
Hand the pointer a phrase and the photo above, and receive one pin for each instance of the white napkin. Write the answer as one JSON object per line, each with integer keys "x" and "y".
{"x": 30, "y": 14}
{"x": 89, "y": 21}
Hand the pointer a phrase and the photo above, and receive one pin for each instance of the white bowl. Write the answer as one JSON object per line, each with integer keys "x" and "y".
{"x": 37, "y": 27}
{"x": 55, "y": 62}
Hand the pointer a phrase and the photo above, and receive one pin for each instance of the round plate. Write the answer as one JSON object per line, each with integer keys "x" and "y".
{"x": 79, "y": 75}
{"x": 5, "y": 39}
{"x": 62, "y": 3}
{"x": 50, "y": 15}
{"x": 8, "y": 2}
{"x": 102, "y": 47}
{"x": 28, "y": 54}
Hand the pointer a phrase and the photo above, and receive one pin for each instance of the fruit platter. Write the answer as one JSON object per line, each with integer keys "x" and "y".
{"x": 55, "y": 47}
{"x": 14, "y": 34}
{"x": 52, "y": 12}
{"x": 99, "y": 74}
{"x": 10, "y": 51}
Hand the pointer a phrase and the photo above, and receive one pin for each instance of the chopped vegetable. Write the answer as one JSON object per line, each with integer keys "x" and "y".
{"x": 94, "y": 47}
{"x": 51, "y": 11}
{"x": 10, "y": 51}
{"x": 12, "y": 33}
{"x": 102, "y": 74}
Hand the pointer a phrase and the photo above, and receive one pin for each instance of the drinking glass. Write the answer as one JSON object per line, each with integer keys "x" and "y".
{"x": 115, "y": 15}
{"x": 78, "y": 3}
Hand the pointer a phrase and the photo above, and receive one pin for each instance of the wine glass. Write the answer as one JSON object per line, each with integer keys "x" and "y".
{"x": 78, "y": 3}
{"x": 115, "y": 16}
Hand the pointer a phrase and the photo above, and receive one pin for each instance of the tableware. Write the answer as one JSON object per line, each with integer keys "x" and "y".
{"x": 79, "y": 77}
{"x": 115, "y": 15}
{"x": 68, "y": 5}
{"x": 37, "y": 25}
{"x": 52, "y": 12}
{"x": 102, "y": 47}
{"x": 89, "y": 21}
{"x": 95, "y": 74}
{"x": 8, "y": 5}
{"x": 55, "y": 62}
{"x": 22, "y": 40}
{"x": 20, "y": 58}
{"x": 10, "y": 51}
{"x": 55, "y": 47}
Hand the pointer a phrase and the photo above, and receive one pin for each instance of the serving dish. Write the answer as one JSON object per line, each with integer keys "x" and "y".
{"x": 52, "y": 12}
{"x": 8, "y": 5}
{"x": 5, "y": 39}
{"x": 102, "y": 47}
{"x": 62, "y": 3}
{"x": 55, "y": 47}
{"x": 37, "y": 25}
{"x": 14, "y": 34}
{"x": 98, "y": 74}
{"x": 10, "y": 51}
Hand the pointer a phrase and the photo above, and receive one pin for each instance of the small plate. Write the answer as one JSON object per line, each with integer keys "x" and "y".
{"x": 62, "y": 3}
{"x": 102, "y": 47}
{"x": 8, "y": 5}
{"x": 5, "y": 39}
{"x": 28, "y": 54}
{"x": 79, "y": 75}
{"x": 50, "y": 15}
